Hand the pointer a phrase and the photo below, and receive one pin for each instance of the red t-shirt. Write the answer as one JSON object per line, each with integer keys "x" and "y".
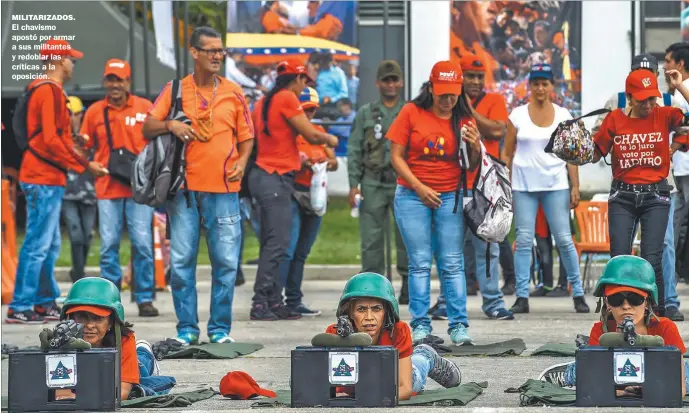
{"x": 663, "y": 327}
{"x": 401, "y": 338}
{"x": 278, "y": 152}
{"x": 431, "y": 147}
{"x": 493, "y": 107}
{"x": 640, "y": 147}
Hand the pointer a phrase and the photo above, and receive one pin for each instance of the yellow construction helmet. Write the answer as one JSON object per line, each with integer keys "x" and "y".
{"x": 74, "y": 105}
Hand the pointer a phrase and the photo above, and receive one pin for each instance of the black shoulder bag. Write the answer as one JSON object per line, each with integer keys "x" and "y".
{"x": 121, "y": 160}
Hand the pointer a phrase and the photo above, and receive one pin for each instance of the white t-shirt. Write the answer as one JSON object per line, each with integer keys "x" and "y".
{"x": 532, "y": 168}
{"x": 680, "y": 160}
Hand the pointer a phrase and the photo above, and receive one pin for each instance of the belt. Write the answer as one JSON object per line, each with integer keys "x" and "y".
{"x": 622, "y": 186}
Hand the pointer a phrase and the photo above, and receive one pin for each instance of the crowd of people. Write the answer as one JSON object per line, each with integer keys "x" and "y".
{"x": 403, "y": 158}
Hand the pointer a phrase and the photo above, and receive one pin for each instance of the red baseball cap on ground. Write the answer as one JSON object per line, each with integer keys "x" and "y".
{"x": 446, "y": 78}
{"x": 471, "y": 63}
{"x": 642, "y": 84}
{"x": 59, "y": 48}
{"x": 292, "y": 67}
{"x": 239, "y": 385}
{"x": 117, "y": 67}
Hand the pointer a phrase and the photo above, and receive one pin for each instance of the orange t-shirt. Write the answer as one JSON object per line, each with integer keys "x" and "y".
{"x": 47, "y": 109}
{"x": 640, "y": 147}
{"x": 210, "y": 163}
{"x": 126, "y": 124}
{"x": 431, "y": 147}
{"x": 278, "y": 152}
{"x": 315, "y": 153}
{"x": 663, "y": 327}
{"x": 129, "y": 366}
{"x": 493, "y": 107}
{"x": 401, "y": 338}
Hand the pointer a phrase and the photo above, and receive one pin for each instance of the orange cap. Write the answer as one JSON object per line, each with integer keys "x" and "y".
{"x": 471, "y": 63}
{"x": 239, "y": 385}
{"x": 60, "y": 48}
{"x": 614, "y": 289}
{"x": 446, "y": 78}
{"x": 292, "y": 67}
{"x": 99, "y": 311}
{"x": 117, "y": 67}
{"x": 642, "y": 84}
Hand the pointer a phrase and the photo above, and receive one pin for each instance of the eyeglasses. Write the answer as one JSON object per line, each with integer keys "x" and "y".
{"x": 213, "y": 52}
{"x": 634, "y": 299}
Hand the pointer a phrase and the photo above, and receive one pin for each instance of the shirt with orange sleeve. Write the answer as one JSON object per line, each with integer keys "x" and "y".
{"x": 210, "y": 163}
{"x": 663, "y": 327}
{"x": 126, "y": 127}
{"x": 129, "y": 365}
{"x": 277, "y": 151}
{"x": 401, "y": 338}
{"x": 47, "y": 109}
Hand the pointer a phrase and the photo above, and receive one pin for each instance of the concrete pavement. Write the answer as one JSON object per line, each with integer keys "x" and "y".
{"x": 550, "y": 320}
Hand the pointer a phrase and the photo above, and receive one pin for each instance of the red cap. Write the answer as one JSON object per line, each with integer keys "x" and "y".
{"x": 239, "y": 385}
{"x": 59, "y": 48}
{"x": 446, "y": 78}
{"x": 292, "y": 67}
{"x": 614, "y": 289}
{"x": 471, "y": 63}
{"x": 642, "y": 84}
{"x": 117, "y": 67}
{"x": 99, "y": 311}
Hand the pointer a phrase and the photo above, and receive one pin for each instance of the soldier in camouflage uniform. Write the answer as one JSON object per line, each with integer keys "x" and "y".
{"x": 371, "y": 175}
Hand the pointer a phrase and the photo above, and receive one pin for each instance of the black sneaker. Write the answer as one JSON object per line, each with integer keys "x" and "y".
{"x": 558, "y": 291}
{"x": 284, "y": 313}
{"x": 404, "y": 294}
{"x": 444, "y": 371}
{"x": 580, "y": 305}
{"x": 50, "y": 313}
{"x": 521, "y": 306}
{"x": 540, "y": 292}
{"x": 674, "y": 314}
{"x": 148, "y": 310}
{"x": 509, "y": 288}
{"x": 260, "y": 312}
{"x": 439, "y": 313}
{"x": 304, "y": 310}
{"x": 24, "y": 317}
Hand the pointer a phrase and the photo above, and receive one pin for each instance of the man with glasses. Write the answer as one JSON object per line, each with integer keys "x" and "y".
{"x": 47, "y": 129}
{"x": 371, "y": 174}
{"x": 219, "y": 138}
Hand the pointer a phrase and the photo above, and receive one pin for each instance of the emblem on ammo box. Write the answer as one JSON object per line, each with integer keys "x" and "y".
{"x": 61, "y": 370}
{"x": 344, "y": 368}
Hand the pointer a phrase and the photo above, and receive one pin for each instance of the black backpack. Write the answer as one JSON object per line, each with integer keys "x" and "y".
{"x": 160, "y": 169}
{"x": 20, "y": 129}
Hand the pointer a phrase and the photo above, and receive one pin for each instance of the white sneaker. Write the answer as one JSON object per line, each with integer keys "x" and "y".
{"x": 147, "y": 346}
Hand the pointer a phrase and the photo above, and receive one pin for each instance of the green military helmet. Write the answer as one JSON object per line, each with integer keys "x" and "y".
{"x": 370, "y": 285}
{"x": 630, "y": 271}
{"x": 97, "y": 292}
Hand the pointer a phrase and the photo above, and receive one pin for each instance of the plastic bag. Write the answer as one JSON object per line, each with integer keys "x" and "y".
{"x": 319, "y": 188}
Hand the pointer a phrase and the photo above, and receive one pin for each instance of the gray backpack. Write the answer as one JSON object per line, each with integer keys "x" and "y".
{"x": 160, "y": 169}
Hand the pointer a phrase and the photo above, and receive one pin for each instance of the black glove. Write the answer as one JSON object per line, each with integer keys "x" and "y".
{"x": 163, "y": 348}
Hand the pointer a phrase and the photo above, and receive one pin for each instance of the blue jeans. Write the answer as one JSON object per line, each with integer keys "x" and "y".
{"x": 489, "y": 287}
{"x": 427, "y": 233}
{"x": 219, "y": 215}
{"x": 556, "y": 208}
{"x": 111, "y": 215}
{"x": 421, "y": 364}
{"x": 35, "y": 283}
{"x": 149, "y": 384}
{"x": 304, "y": 232}
{"x": 671, "y": 299}
{"x": 571, "y": 374}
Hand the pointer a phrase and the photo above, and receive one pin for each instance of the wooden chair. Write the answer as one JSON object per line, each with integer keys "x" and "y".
{"x": 592, "y": 219}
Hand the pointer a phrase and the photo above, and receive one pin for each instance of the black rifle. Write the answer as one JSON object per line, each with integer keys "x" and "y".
{"x": 628, "y": 331}
{"x": 344, "y": 326}
{"x": 64, "y": 332}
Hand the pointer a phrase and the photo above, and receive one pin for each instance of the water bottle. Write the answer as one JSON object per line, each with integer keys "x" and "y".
{"x": 357, "y": 202}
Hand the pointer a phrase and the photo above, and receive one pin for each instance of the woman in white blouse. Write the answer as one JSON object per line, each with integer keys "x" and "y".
{"x": 541, "y": 177}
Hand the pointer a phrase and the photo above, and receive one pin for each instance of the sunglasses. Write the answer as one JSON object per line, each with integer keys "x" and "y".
{"x": 634, "y": 299}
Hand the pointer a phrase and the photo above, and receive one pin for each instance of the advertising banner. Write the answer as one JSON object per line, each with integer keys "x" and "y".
{"x": 510, "y": 36}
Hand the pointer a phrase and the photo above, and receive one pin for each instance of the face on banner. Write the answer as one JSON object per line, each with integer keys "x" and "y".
{"x": 509, "y": 37}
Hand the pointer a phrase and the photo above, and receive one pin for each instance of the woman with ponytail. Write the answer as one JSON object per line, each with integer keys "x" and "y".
{"x": 279, "y": 119}
{"x": 427, "y": 138}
